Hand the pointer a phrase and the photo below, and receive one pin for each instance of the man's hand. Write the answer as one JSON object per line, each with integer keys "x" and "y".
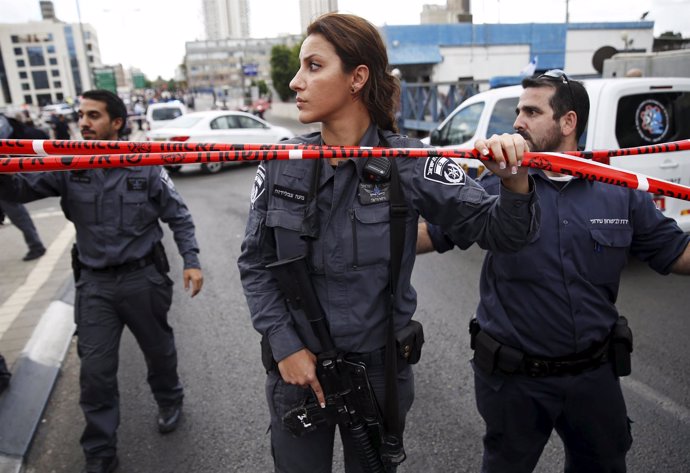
{"x": 507, "y": 151}
{"x": 195, "y": 277}
{"x": 300, "y": 369}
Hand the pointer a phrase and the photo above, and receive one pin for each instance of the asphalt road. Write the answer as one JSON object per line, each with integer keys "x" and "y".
{"x": 225, "y": 418}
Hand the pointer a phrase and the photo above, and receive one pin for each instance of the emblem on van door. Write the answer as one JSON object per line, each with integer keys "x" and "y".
{"x": 651, "y": 121}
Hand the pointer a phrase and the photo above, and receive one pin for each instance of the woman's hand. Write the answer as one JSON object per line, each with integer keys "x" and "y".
{"x": 300, "y": 369}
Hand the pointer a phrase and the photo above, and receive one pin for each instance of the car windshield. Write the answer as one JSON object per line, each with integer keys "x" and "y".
{"x": 184, "y": 121}
{"x": 166, "y": 113}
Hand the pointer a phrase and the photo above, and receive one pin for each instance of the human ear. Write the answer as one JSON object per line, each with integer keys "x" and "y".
{"x": 360, "y": 76}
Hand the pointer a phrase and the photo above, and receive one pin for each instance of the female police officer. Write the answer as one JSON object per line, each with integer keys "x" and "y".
{"x": 331, "y": 212}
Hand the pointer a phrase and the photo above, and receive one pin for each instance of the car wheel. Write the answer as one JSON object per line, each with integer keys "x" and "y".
{"x": 211, "y": 168}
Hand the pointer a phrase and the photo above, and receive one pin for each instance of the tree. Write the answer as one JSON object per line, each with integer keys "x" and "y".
{"x": 284, "y": 65}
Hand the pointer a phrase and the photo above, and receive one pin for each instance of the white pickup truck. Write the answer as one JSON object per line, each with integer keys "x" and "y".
{"x": 624, "y": 113}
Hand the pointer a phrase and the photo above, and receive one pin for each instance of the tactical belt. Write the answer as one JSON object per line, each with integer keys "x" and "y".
{"x": 492, "y": 356}
{"x": 127, "y": 267}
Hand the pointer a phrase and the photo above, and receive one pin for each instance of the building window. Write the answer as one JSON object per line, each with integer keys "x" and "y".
{"x": 51, "y": 49}
{"x": 44, "y": 99}
{"x": 52, "y": 61}
{"x": 36, "y": 57}
{"x": 23, "y": 75}
{"x": 18, "y": 51}
{"x": 28, "y": 99}
{"x": 49, "y": 37}
{"x": 55, "y": 73}
{"x": 40, "y": 79}
{"x": 15, "y": 39}
{"x": 21, "y": 63}
{"x": 26, "y": 86}
{"x": 57, "y": 84}
{"x": 91, "y": 59}
{"x": 59, "y": 97}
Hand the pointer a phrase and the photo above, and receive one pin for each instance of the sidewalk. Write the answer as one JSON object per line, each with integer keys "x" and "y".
{"x": 36, "y": 325}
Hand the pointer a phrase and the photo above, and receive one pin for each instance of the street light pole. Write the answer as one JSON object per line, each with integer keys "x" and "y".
{"x": 86, "y": 52}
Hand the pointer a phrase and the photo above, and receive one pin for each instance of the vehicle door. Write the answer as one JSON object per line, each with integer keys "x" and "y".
{"x": 649, "y": 112}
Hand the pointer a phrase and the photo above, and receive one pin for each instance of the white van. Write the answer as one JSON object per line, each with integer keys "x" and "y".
{"x": 615, "y": 121}
{"x": 160, "y": 114}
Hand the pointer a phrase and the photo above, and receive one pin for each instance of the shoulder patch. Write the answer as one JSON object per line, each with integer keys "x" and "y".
{"x": 444, "y": 171}
{"x": 259, "y": 184}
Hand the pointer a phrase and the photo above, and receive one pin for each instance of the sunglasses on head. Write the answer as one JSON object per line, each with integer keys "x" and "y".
{"x": 559, "y": 75}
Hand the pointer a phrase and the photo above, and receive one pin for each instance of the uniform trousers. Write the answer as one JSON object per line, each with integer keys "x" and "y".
{"x": 105, "y": 303}
{"x": 587, "y": 411}
{"x": 313, "y": 452}
{"x": 21, "y": 219}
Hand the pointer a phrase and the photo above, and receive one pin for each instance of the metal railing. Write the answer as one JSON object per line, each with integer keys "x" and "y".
{"x": 424, "y": 105}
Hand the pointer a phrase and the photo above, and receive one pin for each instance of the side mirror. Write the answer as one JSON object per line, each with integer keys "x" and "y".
{"x": 435, "y": 137}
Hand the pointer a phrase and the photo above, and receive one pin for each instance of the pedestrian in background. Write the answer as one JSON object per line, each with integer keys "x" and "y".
{"x": 121, "y": 274}
{"x": 61, "y": 128}
{"x": 16, "y": 212}
{"x": 549, "y": 343}
{"x": 336, "y": 214}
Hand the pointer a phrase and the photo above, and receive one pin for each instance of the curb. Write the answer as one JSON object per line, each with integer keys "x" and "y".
{"x": 34, "y": 375}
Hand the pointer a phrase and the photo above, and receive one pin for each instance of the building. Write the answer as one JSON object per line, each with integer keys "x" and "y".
{"x": 47, "y": 61}
{"x": 311, "y": 9}
{"x": 226, "y": 19}
{"x": 226, "y": 67}
{"x": 478, "y": 52}
{"x": 455, "y": 11}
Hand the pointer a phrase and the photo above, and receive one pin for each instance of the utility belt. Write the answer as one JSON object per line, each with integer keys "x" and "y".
{"x": 156, "y": 257}
{"x": 492, "y": 356}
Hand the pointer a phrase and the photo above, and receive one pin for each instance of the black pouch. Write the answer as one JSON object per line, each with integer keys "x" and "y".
{"x": 160, "y": 259}
{"x": 409, "y": 341}
{"x": 486, "y": 352}
{"x": 620, "y": 347}
{"x": 76, "y": 264}
{"x": 267, "y": 355}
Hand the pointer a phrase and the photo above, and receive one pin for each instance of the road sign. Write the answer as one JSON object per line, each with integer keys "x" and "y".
{"x": 250, "y": 70}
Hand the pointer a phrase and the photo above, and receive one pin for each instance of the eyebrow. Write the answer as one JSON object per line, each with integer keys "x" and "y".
{"x": 528, "y": 108}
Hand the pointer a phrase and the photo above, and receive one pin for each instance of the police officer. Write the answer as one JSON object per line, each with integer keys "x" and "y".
{"x": 17, "y": 213}
{"x": 336, "y": 215}
{"x": 122, "y": 271}
{"x": 549, "y": 343}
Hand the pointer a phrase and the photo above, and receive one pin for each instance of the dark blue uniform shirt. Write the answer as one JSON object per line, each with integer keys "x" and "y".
{"x": 557, "y": 296}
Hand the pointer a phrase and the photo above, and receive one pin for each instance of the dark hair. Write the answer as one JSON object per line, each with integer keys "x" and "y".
{"x": 569, "y": 95}
{"x": 113, "y": 105}
{"x": 358, "y": 42}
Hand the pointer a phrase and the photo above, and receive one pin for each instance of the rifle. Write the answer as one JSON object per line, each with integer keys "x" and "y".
{"x": 350, "y": 400}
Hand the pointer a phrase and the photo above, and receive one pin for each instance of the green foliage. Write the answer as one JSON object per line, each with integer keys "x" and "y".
{"x": 284, "y": 65}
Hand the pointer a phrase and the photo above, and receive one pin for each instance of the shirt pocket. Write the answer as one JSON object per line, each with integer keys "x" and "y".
{"x": 609, "y": 253}
{"x": 370, "y": 235}
{"x": 83, "y": 208}
{"x": 286, "y": 227}
{"x": 136, "y": 213}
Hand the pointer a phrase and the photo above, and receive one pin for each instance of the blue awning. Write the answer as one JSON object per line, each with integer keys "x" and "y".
{"x": 414, "y": 54}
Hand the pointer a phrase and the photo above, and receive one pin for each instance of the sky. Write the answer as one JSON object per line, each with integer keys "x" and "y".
{"x": 151, "y": 34}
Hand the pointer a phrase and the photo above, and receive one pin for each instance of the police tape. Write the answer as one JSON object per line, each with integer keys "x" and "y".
{"x": 556, "y": 162}
{"x": 93, "y": 147}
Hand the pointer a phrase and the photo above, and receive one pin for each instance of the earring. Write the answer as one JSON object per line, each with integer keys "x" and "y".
{"x": 353, "y": 89}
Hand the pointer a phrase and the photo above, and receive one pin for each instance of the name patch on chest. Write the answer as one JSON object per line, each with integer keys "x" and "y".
{"x": 444, "y": 171}
{"x": 289, "y": 194}
{"x": 137, "y": 184}
{"x": 80, "y": 178}
{"x": 374, "y": 193}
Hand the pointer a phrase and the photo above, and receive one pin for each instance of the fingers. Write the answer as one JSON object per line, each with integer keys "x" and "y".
{"x": 507, "y": 150}
{"x": 318, "y": 392}
{"x": 300, "y": 369}
{"x": 195, "y": 278}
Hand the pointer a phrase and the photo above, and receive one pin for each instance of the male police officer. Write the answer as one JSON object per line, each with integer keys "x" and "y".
{"x": 549, "y": 343}
{"x": 122, "y": 276}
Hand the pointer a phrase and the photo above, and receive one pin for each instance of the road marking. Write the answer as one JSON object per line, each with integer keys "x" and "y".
{"x": 12, "y": 307}
{"x": 47, "y": 213}
{"x": 664, "y": 403}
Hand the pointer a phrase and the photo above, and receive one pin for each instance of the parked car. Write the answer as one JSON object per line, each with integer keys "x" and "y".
{"x": 219, "y": 126}
{"x": 48, "y": 111}
{"x": 618, "y": 109}
{"x": 161, "y": 114}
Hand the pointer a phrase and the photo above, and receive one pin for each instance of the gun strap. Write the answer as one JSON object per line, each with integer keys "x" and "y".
{"x": 398, "y": 214}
